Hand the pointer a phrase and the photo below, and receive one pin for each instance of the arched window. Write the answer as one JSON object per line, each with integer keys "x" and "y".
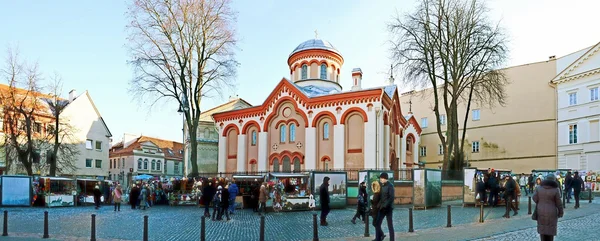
{"x": 145, "y": 164}
{"x": 254, "y": 138}
{"x": 292, "y": 132}
{"x": 282, "y": 132}
{"x": 326, "y": 162}
{"x": 296, "y": 164}
{"x": 323, "y": 71}
{"x": 153, "y": 164}
{"x": 139, "y": 163}
{"x": 286, "y": 166}
{"x": 276, "y": 165}
{"x": 304, "y": 72}
{"x": 158, "y": 165}
{"x": 326, "y": 131}
{"x": 337, "y": 78}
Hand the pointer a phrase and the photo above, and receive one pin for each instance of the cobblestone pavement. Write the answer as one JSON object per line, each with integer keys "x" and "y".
{"x": 183, "y": 223}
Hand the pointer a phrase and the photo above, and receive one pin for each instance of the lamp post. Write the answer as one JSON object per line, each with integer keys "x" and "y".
{"x": 182, "y": 109}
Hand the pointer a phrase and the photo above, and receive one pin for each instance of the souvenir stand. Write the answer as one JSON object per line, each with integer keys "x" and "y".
{"x": 337, "y": 188}
{"x": 370, "y": 176}
{"x": 471, "y": 177}
{"x": 293, "y": 189}
{"x": 85, "y": 191}
{"x": 245, "y": 185}
{"x": 427, "y": 188}
{"x": 59, "y": 191}
{"x": 16, "y": 190}
{"x": 483, "y": 174}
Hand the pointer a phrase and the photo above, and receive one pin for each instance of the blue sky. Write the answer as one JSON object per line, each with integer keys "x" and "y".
{"x": 85, "y": 42}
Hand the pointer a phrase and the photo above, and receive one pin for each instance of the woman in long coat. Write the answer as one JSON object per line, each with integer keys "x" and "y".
{"x": 548, "y": 208}
{"x": 144, "y": 197}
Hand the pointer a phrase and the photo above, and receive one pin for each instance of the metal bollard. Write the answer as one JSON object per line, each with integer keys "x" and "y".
{"x": 93, "y": 238}
{"x": 46, "y": 235}
{"x": 262, "y": 228}
{"x": 366, "y": 225}
{"x": 449, "y": 225}
{"x": 590, "y": 195}
{"x": 529, "y": 206}
{"x": 5, "y": 226}
{"x": 145, "y": 237}
{"x": 481, "y": 213}
{"x": 410, "y": 220}
{"x": 203, "y": 229}
{"x": 315, "y": 228}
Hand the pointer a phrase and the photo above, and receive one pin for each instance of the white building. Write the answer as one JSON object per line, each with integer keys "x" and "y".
{"x": 577, "y": 85}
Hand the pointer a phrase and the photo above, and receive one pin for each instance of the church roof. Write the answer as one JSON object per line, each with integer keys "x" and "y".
{"x": 315, "y": 44}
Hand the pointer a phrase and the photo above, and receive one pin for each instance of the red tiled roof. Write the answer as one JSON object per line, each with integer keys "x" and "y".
{"x": 171, "y": 149}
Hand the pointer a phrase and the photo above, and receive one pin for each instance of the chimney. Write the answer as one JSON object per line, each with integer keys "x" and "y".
{"x": 233, "y": 97}
{"x": 356, "y": 79}
{"x": 552, "y": 57}
{"x": 72, "y": 95}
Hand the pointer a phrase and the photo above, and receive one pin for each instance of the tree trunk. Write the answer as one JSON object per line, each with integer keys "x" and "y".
{"x": 54, "y": 154}
{"x": 193, "y": 145}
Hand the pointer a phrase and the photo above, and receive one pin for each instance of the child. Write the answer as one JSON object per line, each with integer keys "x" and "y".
{"x": 277, "y": 206}
{"x": 217, "y": 203}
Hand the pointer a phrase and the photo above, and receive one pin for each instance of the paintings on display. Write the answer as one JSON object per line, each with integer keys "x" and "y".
{"x": 469, "y": 189}
{"x": 337, "y": 188}
{"x": 16, "y": 191}
{"x": 419, "y": 187}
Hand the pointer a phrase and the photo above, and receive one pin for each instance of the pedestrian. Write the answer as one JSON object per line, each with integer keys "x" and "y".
{"x": 523, "y": 183}
{"x": 134, "y": 195}
{"x": 509, "y": 194}
{"x": 255, "y": 196}
{"x": 386, "y": 205}
{"x": 530, "y": 182}
{"x": 578, "y": 186}
{"x": 548, "y": 208}
{"x": 262, "y": 197}
{"x": 361, "y": 203}
{"x": 207, "y": 196}
{"x": 481, "y": 191}
{"x": 233, "y": 192}
{"x": 225, "y": 198}
{"x": 217, "y": 203}
{"x": 494, "y": 187}
{"x": 568, "y": 186}
{"x": 97, "y": 195}
{"x": 117, "y": 193}
{"x": 374, "y": 212}
{"x": 144, "y": 198}
{"x": 324, "y": 200}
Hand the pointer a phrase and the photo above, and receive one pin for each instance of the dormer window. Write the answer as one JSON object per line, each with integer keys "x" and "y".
{"x": 323, "y": 71}
{"x": 170, "y": 151}
{"x": 304, "y": 73}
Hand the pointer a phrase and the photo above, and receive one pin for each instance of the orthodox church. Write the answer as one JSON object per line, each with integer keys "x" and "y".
{"x": 309, "y": 122}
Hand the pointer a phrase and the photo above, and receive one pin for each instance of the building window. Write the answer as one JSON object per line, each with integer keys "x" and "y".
{"x": 594, "y": 131}
{"x": 440, "y": 149}
{"x": 422, "y": 151}
{"x": 37, "y": 127}
{"x": 110, "y": 163}
{"x": 276, "y": 165}
{"x": 594, "y": 94}
{"x": 326, "y": 131}
{"x": 292, "y": 132}
{"x": 145, "y": 164}
{"x": 573, "y": 134}
{"x": 282, "y": 132}
{"x": 253, "y": 138}
{"x": 98, "y": 163}
{"x": 475, "y": 147}
{"x": 323, "y": 71}
{"x": 88, "y": 162}
{"x": 158, "y": 165}
{"x": 88, "y": 144}
{"x": 442, "y": 119}
{"x": 98, "y": 145}
{"x": 176, "y": 167}
{"x": 123, "y": 162}
{"x": 573, "y": 98}
{"x": 153, "y": 165}
{"x": 304, "y": 73}
{"x": 337, "y": 78}
{"x": 476, "y": 114}
{"x": 140, "y": 164}
{"x": 424, "y": 122}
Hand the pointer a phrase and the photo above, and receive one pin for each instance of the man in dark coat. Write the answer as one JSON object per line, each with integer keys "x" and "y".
{"x": 97, "y": 195}
{"x": 494, "y": 187}
{"x": 386, "y": 206}
{"x": 324, "y": 200}
{"x": 509, "y": 195}
{"x": 225, "y": 196}
{"x": 207, "y": 195}
{"x": 568, "y": 186}
{"x": 133, "y": 196}
{"x": 578, "y": 186}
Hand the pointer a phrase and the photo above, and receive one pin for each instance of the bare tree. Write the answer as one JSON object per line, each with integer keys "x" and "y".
{"x": 182, "y": 51}
{"x": 452, "y": 46}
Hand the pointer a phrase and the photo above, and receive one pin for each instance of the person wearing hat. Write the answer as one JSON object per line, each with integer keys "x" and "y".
{"x": 510, "y": 187}
{"x": 361, "y": 203}
{"x": 97, "y": 195}
{"x": 548, "y": 207}
{"x": 578, "y": 186}
{"x": 324, "y": 200}
{"x": 386, "y": 205}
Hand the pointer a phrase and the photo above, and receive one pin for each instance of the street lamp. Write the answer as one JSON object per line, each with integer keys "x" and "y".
{"x": 183, "y": 107}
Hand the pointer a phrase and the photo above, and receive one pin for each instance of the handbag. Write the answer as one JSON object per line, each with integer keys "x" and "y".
{"x": 534, "y": 216}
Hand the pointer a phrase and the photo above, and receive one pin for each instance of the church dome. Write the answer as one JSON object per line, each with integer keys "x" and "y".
{"x": 315, "y": 44}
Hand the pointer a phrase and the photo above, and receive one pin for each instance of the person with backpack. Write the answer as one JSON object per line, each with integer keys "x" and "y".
{"x": 217, "y": 203}
{"x": 362, "y": 203}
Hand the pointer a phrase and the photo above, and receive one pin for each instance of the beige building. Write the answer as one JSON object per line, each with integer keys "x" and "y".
{"x": 520, "y": 136}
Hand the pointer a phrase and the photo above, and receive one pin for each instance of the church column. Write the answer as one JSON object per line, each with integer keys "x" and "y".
{"x": 370, "y": 141}
{"x": 339, "y": 146}
{"x": 241, "y": 153}
{"x": 263, "y": 147}
{"x": 402, "y": 149}
{"x": 386, "y": 146}
{"x": 416, "y": 151}
{"x": 222, "y": 153}
{"x": 399, "y": 154}
{"x": 310, "y": 149}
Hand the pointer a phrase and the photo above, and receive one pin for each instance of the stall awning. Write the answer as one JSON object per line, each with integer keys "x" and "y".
{"x": 248, "y": 177}
{"x": 289, "y": 174}
{"x": 87, "y": 180}
{"x": 58, "y": 178}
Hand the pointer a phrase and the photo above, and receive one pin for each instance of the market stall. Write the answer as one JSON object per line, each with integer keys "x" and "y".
{"x": 337, "y": 188}
{"x": 427, "y": 188}
{"x": 292, "y": 189}
{"x": 16, "y": 190}
{"x": 85, "y": 190}
{"x": 370, "y": 176}
{"x": 185, "y": 192}
{"x": 246, "y": 184}
{"x": 59, "y": 191}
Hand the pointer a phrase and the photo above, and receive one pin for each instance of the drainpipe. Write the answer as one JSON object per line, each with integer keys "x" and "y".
{"x": 554, "y": 86}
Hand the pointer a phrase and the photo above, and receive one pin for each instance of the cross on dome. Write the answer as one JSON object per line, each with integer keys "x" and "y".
{"x": 316, "y": 34}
